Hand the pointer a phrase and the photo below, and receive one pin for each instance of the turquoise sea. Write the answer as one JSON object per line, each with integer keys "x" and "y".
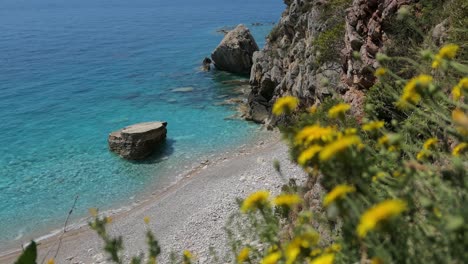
{"x": 73, "y": 71}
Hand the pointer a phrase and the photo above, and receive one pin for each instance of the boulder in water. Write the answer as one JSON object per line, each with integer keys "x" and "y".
{"x": 234, "y": 53}
{"x": 137, "y": 141}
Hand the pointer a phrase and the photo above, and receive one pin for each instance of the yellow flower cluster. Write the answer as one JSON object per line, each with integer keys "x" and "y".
{"x": 460, "y": 89}
{"x": 432, "y": 142}
{"x": 425, "y": 153}
{"x": 339, "y": 192}
{"x": 338, "y": 110}
{"x": 459, "y": 149}
{"x": 300, "y": 243}
{"x": 243, "y": 255}
{"x": 461, "y": 121}
{"x": 285, "y": 105}
{"x": 324, "y": 259}
{"x": 332, "y": 149}
{"x": 374, "y": 125}
{"x": 379, "y": 213}
{"x": 288, "y": 200}
{"x": 326, "y": 142}
{"x": 380, "y": 72}
{"x": 413, "y": 90}
{"x": 308, "y": 154}
{"x": 312, "y": 133}
{"x": 271, "y": 258}
{"x": 254, "y": 201}
{"x": 447, "y": 52}
{"x": 378, "y": 176}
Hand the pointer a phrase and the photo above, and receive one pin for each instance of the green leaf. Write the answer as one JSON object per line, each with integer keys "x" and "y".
{"x": 29, "y": 255}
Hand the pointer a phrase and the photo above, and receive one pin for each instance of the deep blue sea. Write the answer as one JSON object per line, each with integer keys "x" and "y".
{"x": 73, "y": 71}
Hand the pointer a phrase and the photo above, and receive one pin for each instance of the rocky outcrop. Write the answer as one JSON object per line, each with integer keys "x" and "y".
{"x": 366, "y": 36}
{"x": 137, "y": 141}
{"x": 234, "y": 53}
{"x": 206, "y": 64}
{"x": 311, "y": 52}
{"x": 289, "y": 65}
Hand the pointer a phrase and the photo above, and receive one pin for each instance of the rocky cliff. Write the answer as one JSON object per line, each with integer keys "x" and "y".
{"x": 320, "y": 48}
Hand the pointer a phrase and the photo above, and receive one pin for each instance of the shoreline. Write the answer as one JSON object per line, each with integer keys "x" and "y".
{"x": 154, "y": 189}
{"x": 79, "y": 229}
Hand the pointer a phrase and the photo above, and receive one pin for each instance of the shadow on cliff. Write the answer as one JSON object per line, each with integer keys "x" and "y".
{"x": 161, "y": 153}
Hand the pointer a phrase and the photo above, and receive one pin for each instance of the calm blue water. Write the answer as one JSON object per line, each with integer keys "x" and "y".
{"x": 73, "y": 71}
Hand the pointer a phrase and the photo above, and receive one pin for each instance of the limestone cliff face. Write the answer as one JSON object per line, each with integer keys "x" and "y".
{"x": 309, "y": 53}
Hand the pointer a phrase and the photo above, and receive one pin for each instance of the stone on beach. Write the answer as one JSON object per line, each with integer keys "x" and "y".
{"x": 234, "y": 53}
{"x": 137, "y": 141}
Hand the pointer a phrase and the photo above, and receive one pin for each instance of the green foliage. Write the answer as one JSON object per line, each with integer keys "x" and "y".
{"x": 29, "y": 255}
{"x": 329, "y": 43}
{"x": 406, "y": 175}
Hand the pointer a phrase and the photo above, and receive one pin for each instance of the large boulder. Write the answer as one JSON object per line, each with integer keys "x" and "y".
{"x": 137, "y": 141}
{"x": 234, "y": 53}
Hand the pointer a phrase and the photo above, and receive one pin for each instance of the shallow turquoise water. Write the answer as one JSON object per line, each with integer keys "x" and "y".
{"x": 72, "y": 72}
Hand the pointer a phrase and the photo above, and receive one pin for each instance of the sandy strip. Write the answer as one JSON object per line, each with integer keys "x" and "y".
{"x": 190, "y": 215}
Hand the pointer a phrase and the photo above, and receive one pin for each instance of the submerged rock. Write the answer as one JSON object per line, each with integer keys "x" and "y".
{"x": 182, "y": 90}
{"x": 137, "y": 141}
{"x": 206, "y": 65}
{"x": 234, "y": 53}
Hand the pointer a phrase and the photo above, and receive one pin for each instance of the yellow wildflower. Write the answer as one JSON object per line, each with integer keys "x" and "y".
{"x": 315, "y": 252}
{"x": 350, "y": 131}
{"x": 285, "y": 104}
{"x": 378, "y": 213}
{"x": 287, "y": 200}
{"x": 338, "y": 146}
{"x": 187, "y": 255}
{"x": 374, "y": 125}
{"x": 312, "y": 133}
{"x": 108, "y": 219}
{"x": 376, "y": 260}
{"x": 146, "y": 219}
{"x": 271, "y": 258}
{"x": 254, "y": 201}
{"x": 378, "y": 176}
{"x": 338, "y": 110}
{"x": 152, "y": 260}
{"x": 243, "y": 255}
{"x": 459, "y": 149}
{"x": 324, "y": 259}
{"x": 304, "y": 241}
{"x": 422, "y": 155}
{"x": 339, "y": 192}
{"x": 456, "y": 92}
{"x": 436, "y": 62}
{"x": 461, "y": 87}
{"x": 333, "y": 248}
{"x": 308, "y": 154}
{"x": 413, "y": 88}
{"x": 384, "y": 140}
{"x": 380, "y": 72}
{"x": 430, "y": 143}
{"x": 463, "y": 84}
{"x": 313, "y": 109}
{"x": 448, "y": 51}
{"x": 51, "y": 261}
{"x": 292, "y": 251}
{"x": 460, "y": 118}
